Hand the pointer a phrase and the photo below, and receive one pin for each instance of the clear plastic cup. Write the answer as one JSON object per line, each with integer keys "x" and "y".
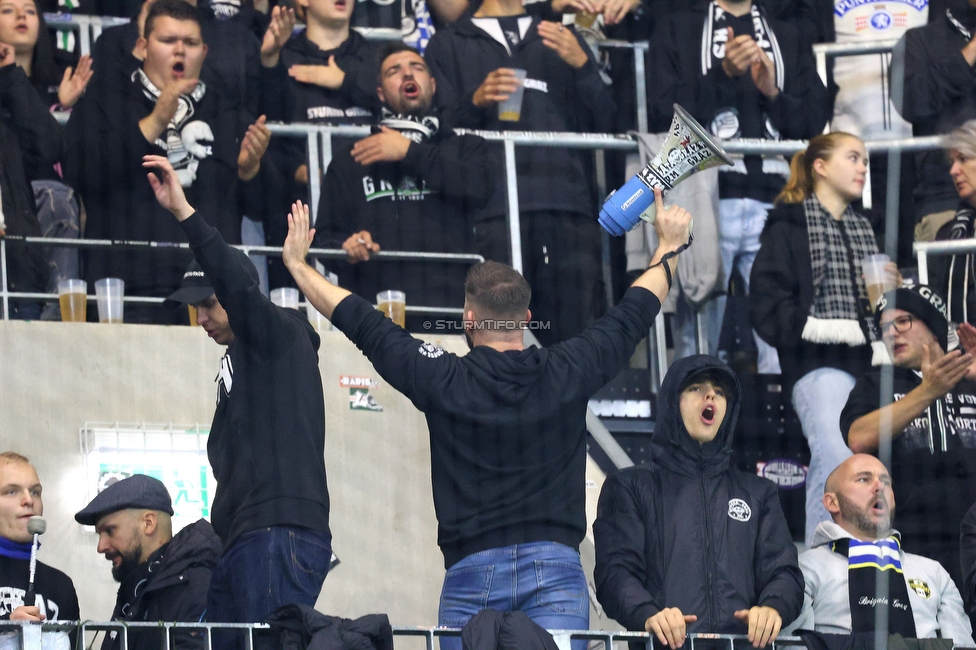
{"x": 286, "y": 297}
{"x": 510, "y": 110}
{"x": 394, "y": 305}
{"x": 317, "y": 320}
{"x": 108, "y": 295}
{"x": 876, "y": 279}
{"x": 72, "y": 295}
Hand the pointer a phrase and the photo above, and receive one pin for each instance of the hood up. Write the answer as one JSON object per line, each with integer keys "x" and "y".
{"x": 508, "y": 376}
{"x": 673, "y": 447}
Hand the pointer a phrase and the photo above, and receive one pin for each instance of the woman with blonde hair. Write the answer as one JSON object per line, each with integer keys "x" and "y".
{"x": 808, "y": 298}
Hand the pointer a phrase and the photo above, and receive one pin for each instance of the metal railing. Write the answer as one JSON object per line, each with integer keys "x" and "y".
{"x": 953, "y": 247}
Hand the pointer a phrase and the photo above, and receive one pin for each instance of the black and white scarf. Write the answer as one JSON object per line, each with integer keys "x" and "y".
{"x": 961, "y": 228}
{"x": 413, "y": 127}
{"x": 866, "y": 562}
{"x": 839, "y": 311}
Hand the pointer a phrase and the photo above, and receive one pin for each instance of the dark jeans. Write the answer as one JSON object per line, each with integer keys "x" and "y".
{"x": 263, "y": 570}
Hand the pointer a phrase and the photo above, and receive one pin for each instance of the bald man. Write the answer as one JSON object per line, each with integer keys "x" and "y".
{"x": 848, "y": 554}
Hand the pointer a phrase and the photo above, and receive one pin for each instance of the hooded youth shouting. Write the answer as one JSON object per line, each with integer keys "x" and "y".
{"x": 689, "y": 542}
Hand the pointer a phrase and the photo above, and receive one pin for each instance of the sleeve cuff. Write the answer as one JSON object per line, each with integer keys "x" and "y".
{"x": 645, "y": 300}
{"x": 196, "y": 229}
{"x": 348, "y": 312}
{"x": 776, "y": 603}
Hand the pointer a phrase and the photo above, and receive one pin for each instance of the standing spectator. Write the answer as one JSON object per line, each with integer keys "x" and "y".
{"x": 689, "y": 543}
{"x": 473, "y": 62}
{"x": 844, "y": 567}
{"x": 932, "y": 423}
{"x": 742, "y": 75}
{"x": 164, "y": 109}
{"x": 809, "y": 299}
{"x": 954, "y": 276}
{"x": 412, "y": 186}
{"x": 940, "y": 94}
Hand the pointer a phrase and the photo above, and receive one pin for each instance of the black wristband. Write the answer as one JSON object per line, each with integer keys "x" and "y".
{"x": 667, "y": 256}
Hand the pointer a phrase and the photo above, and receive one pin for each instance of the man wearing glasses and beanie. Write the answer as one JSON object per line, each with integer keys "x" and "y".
{"x": 931, "y": 408}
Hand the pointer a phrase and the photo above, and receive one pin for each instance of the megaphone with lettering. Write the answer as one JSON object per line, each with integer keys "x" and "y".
{"x": 686, "y": 150}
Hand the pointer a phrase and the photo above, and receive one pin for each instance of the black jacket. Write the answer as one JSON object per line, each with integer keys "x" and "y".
{"x": 933, "y": 463}
{"x": 688, "y": 531}
{"x": 422, "y": 203}
{"x": 299, "y": 627}
{"x": 267, "y": 440}
{"x": 939, "y": 95}
{"x": 30, "y": 139}
{"x": 507, "y": 429}
{"x": 177, "y": 578}
{"x": 490, "y": 629}
{"x": 781, "y": 294}
{"x": 103, "y": 162}
{"x": 557, "y": 98}
{"x": 54, "y": 590}
{"x": 800, "y": 111}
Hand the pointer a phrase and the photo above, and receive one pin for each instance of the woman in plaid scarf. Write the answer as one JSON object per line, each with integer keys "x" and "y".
{"x": 809, "y": 299}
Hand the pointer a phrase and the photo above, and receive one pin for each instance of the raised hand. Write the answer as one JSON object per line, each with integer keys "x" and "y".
{"x": 74, "y": 82}
{"x": 328, "y": 76}
{"x": 941, "y": 372}
{"x": 764, "y": 75}
{"x": 299, "y": 239}
{"x": 764, "y": 624}
{"x": 359, "y": 246}
{"x": 253, "y": 146}
{"x": 669, "y": 626}
{"x": 563, "y": 40}
{"x": 740, "y": 53}
{"x": 279, "y": 31}
{"x": 496, "y": 87}
{"x": 163, "y": 112}
{"x": 388, "y": 145}
{"x": 166, "y": 186}
{"x": 672, "y": 224}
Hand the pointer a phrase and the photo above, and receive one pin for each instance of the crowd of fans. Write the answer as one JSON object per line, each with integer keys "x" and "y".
{"x": 197, "y": 85}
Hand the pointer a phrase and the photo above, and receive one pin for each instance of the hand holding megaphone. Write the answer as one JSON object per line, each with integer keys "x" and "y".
{"x": 672, "y": 226}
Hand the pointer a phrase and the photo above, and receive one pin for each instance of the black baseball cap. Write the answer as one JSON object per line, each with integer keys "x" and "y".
{"x": 137, "y": 491}
{"x": 195, "y": 288}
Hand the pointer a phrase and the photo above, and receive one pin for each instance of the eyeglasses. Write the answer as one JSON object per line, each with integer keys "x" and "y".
{"x": 901, "y": 324}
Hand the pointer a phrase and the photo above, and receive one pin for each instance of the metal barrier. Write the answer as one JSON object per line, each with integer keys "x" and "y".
{"x": 954, "y": 247}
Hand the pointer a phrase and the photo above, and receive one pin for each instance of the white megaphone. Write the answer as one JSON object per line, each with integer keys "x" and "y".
{"x": 687, "y": 149}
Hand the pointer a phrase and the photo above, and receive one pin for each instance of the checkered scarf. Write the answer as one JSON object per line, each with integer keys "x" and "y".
{"x": 839, "y": 312}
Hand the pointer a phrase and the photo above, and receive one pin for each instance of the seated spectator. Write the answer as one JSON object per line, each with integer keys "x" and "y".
{"x": 849, "y": 554}
{"x": 165, "y": 109}
{"x": 932, "y": 423}
{"x": 30, "y": 140}
{"x": 954, "y": 276}
{"x": 412, "y": 187}
{"x": 743, "y": 75}
{"x": 161, "y": 577}
{"x": 939, "y": 95}
{"x": 809, "y": 299}
{"x": 689, "y": 543}
{"x": 473, "y": 63}
{"x": 20, "y": 499}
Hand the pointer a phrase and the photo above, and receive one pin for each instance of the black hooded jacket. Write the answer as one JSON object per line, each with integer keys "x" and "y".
{"x": 507, "y": 429}
{"x": 177, "y": 578}
{"x": 940, "y": 94}
{"x": 267, "y": 440}
{"x": 690, "y": 532}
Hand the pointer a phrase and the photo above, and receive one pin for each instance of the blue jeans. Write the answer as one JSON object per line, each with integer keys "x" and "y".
{"x": 263, "y": 570}
{"x": 818, "y": 398}
{"x": 543, "y": 579}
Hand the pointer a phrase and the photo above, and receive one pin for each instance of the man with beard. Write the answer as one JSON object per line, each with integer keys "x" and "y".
{"x": 412, "y": 186}
{"x": 851, "y": 552}
{"x": 931, "y": 416}
{"x": 161, "y": 577}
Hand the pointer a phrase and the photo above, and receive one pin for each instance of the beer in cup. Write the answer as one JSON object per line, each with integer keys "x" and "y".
{"x": 108, "y": 294}
{"x": 72, "y": 294}
{"x": 510, "y": 110}
{"x": 394, "y": 305}
{"x": 876, "y": 279}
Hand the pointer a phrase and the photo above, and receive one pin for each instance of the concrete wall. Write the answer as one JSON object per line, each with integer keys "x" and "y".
{"x": 55, "y": 377}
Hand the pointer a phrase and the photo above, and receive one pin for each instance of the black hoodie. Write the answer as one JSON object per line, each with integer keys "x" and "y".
{"x": 688, "y": 531}
{"x": 267, "y": 440}
{"x": 507, "y": 429}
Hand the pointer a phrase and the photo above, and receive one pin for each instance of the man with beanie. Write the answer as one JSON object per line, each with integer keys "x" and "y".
{"x": 849, "y": 554}
{"x": 161, "y": 577}
{"x": 688, "y": 543}
{"x": 932, "y": 416}
{"x": 267, "y": 440}
{"x": 54, "y": 593}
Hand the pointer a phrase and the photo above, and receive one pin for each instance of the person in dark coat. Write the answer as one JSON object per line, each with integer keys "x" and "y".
{"x": 689, "y": 543}
{"x": 161, "y": 577}
{"x": 473, "y": 62}
{"x": 412, "y": 186}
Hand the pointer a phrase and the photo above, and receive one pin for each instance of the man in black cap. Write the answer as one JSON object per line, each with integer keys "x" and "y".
{"x": 931, "y": 415}
{"x": 267, "y": 440}
{"x": 162, "y": 577}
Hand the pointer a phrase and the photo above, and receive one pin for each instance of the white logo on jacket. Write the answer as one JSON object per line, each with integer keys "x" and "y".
{"x": 739, "y": 510}
{"x": 430, "y": 350}
{"x": 225, "y": 377}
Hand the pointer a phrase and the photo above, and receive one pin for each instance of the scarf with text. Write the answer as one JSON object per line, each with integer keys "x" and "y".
{"x": 413, "y": 127}
{"x": 866, "y": 562}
